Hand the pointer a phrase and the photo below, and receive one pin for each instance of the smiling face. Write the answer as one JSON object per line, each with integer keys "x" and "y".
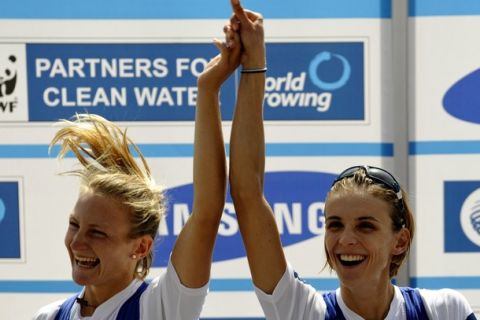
{"x": 359, "y": 237}
{"x": 98, "y": 243}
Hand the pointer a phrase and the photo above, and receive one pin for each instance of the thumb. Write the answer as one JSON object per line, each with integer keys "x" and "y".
{"x": 221, "y": 46}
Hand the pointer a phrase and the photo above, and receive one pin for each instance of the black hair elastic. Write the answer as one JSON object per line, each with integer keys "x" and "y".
{"x": 254, "y": 70}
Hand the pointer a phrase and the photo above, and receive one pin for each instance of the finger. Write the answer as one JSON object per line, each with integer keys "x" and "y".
{"x": 213, "y": 61}
{"x": 234, "y": 22}
{"x": 239, "y": 11}
{"x": 236, "y": 49}
{"x": 229, "y": 36}
{"x": 253, "y": 16}
{"x": 221, "y": 46}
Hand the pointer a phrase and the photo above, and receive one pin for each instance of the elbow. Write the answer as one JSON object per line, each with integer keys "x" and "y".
{"x": 245, "y": 193}
{"x": 209, "y": 211}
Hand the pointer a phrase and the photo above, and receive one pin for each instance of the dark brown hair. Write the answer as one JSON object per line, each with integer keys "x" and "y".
{"x": 400, "y": 212}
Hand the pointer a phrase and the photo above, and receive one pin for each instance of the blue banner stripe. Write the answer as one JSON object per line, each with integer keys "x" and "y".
{"x": 191, "y": 9}
{"x": 186, "y": 150}
{"x": 237, "y": 285}
{"x": 419, "y": 8}
{"x": 24, "y": 151}
{"x": 458, "y": 283}
{"x": 38, "y": 286}
{"x": 443, "y": 147}
{"x": 216, "y": 285}
{"x": 329, "y": 149}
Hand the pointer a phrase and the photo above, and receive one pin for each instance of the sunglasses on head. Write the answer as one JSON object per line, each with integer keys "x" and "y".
{"x": 378, "y": 175}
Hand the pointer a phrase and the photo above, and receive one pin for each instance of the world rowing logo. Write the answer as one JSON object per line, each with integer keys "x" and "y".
{"x": 314, "y": 70}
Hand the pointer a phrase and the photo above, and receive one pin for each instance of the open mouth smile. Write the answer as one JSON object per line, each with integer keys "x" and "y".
{"x": 86, "y": 262}
{"x": 350, "y": 260}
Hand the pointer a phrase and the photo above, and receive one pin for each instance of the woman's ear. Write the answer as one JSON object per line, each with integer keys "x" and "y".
{"x": 144, "y": 245}
{"x": 402, "y": 243}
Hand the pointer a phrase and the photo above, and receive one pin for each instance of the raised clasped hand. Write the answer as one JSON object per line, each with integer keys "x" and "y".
{"x": 221, "y": 66}
{"x": 250, "y": 26}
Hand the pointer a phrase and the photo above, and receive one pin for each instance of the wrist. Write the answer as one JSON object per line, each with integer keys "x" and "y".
{"x": 253, "y": 70}
{"x": 254, "y": 66}
{"x": 208, "y": 88}
{"x": 254, "y": 61}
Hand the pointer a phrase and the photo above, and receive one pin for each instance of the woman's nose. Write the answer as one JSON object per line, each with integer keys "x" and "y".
{"x": 348, "y": 237}
{"x": 77, "y": 241}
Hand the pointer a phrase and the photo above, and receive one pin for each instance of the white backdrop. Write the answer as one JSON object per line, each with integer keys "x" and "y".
{"x": 320, "y": 146}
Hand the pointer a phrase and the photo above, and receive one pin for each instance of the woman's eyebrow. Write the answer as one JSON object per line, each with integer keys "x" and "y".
{"x": 336, "y": 218}
{"x": 367, "y": 218}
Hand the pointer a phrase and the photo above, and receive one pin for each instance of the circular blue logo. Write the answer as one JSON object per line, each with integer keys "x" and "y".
{"x": 470, "y": 217}
{"x": 2, "y": 210}
{"x": 325, "y": 56}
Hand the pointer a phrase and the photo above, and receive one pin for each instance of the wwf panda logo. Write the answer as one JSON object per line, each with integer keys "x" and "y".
{"x": 8, "y": 77}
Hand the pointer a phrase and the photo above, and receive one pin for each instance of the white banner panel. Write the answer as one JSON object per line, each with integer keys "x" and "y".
{"x": 329, "y": 83}
{"x": 444, "y": 146}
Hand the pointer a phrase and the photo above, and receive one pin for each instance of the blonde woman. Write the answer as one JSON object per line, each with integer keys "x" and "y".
{"x": 113, "y": 225}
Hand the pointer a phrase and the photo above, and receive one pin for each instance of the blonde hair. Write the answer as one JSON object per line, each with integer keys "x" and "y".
{"x": 109, "y": 168}
{"x": 400, "y": 213}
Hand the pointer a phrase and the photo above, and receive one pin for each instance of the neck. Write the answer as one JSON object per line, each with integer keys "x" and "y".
{"x": 86, "y": 308}
{"x": 84, "y": 303}
{"x": 372, "y": 302}
{"x": 96, "y": 295}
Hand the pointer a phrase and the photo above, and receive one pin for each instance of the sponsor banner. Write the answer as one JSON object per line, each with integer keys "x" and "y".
{"x": 447, "y": 93}
{"x": 157, "y": 82}
{"x": 10, "y": 220}
{"x": 462, "y": 216}
{"x": 297, "y": 206}
{"x": 131, "y": 82}
{"x": 191, "y": 9}
{"x": 315, "y": 81}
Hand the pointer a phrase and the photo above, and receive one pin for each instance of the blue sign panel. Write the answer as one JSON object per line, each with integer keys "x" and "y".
{"x": 132, "y": 82}
{"x": 462, "y": 216}
{"x": 9, "y": 220}
{"x": 157, "y": 82}
{"x": 462, "y": 100}
{"x": 297, "y": 200}
{"x": 315, "y": 81}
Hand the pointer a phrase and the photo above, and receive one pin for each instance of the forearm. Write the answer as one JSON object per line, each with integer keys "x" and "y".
{"x": 247, "y": 165}
{"x": 193, "y": 249}
{"x": 192, "y": 254}
{"x": 247, "y": 146}
{"x": 209, "y": 163}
